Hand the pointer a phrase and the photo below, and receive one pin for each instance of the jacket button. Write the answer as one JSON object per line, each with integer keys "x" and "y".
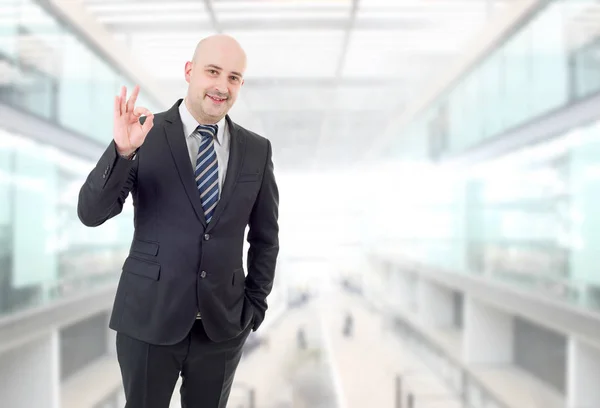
{"x": 206, "y": 237}
{"x": 203, "y": 274}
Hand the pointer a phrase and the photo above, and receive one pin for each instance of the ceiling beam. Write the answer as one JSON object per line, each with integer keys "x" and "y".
{"x": 210, "y": 10}
{"x": 324, "y": 134}
{"x": 264, "y": 25}
{"x": 346, "y": 40}
{"x": 96, "y": 38}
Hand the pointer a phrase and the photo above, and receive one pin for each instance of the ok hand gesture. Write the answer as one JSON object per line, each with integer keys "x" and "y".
{"x": 128, "y": 132}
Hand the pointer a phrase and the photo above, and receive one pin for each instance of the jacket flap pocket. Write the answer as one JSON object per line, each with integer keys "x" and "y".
{"x": 142, "y": 267}
{"x": 144, "y": 247}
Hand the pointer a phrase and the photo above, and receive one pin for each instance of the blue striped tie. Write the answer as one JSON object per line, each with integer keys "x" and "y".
{"x": 207, "y": 170}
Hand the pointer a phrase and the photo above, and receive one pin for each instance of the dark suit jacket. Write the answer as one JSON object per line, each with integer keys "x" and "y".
{"x": 177, "y": 264}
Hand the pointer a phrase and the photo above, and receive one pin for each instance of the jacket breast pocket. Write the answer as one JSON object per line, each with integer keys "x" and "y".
{"x": 142, "y": 267}
{"x": 249, "y": 177}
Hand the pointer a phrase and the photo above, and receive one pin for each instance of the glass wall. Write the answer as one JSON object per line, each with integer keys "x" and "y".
{"x": 551, "y": 61}
{"x": 529, "y": 218}
{"x": 47, "y": 70}
{"x": 535, "y": 217}
{"x": 45, "y": 251}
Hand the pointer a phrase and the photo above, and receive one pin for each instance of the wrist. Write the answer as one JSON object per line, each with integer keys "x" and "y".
{"x": 126, "y": 154}
{"x": 129, "y": 156}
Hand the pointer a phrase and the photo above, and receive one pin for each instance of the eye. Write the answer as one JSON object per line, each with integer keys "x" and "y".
{"x": 234, "y": 78}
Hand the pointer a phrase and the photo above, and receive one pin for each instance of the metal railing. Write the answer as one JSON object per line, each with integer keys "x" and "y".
{"x": 472, "y": 392}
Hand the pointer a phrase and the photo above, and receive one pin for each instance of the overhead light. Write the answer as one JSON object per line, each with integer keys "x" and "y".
{"x": 458, "y": 16}
{"x": 147, "y": 6}
{"x": 287, "y": 5}
{"x": 283, "y": 37}
{"x": 284, "y": 15}
{"x": 198, "y": 18}
{"x": 171, "y": 35}
{"x": 430, "y": 4}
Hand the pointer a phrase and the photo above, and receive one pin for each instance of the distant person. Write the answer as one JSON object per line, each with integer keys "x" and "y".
{"x": 348, "y": 325}
{"x": 197, "y": 179}
{"x": 301, "y": 338}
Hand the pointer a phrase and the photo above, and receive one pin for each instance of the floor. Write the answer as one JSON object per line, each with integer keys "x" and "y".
{"x": 364, "y": 364}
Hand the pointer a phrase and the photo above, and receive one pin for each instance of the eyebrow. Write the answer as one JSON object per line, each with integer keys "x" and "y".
{"x": 221, "y": 69}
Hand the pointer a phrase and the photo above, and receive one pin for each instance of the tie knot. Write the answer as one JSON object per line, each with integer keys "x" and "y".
{"x": 207, "y": 130}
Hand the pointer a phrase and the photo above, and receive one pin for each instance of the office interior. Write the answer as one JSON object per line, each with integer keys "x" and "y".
{"x": 449, "y": 259}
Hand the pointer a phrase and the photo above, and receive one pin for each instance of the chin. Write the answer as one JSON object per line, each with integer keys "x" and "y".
{"x": 217, "y": 111}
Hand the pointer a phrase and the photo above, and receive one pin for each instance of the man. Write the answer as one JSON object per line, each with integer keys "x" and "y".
{"x": 197, "y": 180}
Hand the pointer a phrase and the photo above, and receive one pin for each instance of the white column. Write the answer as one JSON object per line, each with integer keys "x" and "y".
{"x": 583, "y": 372}
{"x": 111, "y": 338}
{"x": 399, "y": 291}
{"x": 435, "y": 304}
{"x": 30, "y": 374}
{"x": 488, "y": 333}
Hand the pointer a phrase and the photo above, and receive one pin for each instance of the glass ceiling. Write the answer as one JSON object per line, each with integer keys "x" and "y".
{"x": 320, "y": 74}
{"x": 300, "y": 39}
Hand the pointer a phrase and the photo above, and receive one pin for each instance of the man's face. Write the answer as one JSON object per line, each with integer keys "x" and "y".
{"x": 215, "y": 79}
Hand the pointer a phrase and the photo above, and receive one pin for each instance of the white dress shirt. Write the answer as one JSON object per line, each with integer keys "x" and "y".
{"x": 192, "y": 139}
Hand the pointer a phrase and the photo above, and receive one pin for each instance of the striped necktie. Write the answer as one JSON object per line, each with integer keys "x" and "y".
{"x": 207, "y": 171}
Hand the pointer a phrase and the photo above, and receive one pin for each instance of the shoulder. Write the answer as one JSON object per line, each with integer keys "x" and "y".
{"x": 252, "y": 138}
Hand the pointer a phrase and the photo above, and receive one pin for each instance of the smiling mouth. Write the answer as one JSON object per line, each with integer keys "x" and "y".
{"x": 216, "y": 99}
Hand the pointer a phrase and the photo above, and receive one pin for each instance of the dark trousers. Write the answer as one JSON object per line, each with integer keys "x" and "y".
{"x": 207, "y": 369}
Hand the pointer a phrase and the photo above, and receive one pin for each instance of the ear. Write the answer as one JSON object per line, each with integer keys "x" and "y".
{"x": 188, "y": 71}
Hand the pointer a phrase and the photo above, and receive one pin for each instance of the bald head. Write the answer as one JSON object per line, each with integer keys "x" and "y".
{"x": 215, "y": 76}
{"x": 219, "y": 43}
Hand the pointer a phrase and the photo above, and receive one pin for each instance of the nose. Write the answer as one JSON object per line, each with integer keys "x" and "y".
{"x": 221, "y": 85}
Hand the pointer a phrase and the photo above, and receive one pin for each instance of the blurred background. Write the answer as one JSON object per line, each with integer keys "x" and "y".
{"x": 453, "y": 258}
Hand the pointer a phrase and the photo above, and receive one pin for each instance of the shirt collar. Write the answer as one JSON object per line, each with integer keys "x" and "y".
{"x": 190, "y": 124}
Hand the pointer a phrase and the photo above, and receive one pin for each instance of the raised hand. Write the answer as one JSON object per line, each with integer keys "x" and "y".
{"x": 128, "y": 132}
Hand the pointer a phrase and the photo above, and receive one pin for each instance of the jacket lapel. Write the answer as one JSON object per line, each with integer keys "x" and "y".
{"x": 176, "y": 140}
{"x": 237, "y": 148}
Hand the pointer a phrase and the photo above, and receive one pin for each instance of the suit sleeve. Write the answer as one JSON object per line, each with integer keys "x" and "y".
{"x": 107, "y": 186}
{"x": 263, "y": 237}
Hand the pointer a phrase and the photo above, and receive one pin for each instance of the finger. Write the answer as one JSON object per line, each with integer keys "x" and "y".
{"x": 117, "y": 109}
{"x": 140, "y": 110}
{"x": 123, "y": 99}
{"x": 133, "y": 98}
{"x": 148, "y": 123}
